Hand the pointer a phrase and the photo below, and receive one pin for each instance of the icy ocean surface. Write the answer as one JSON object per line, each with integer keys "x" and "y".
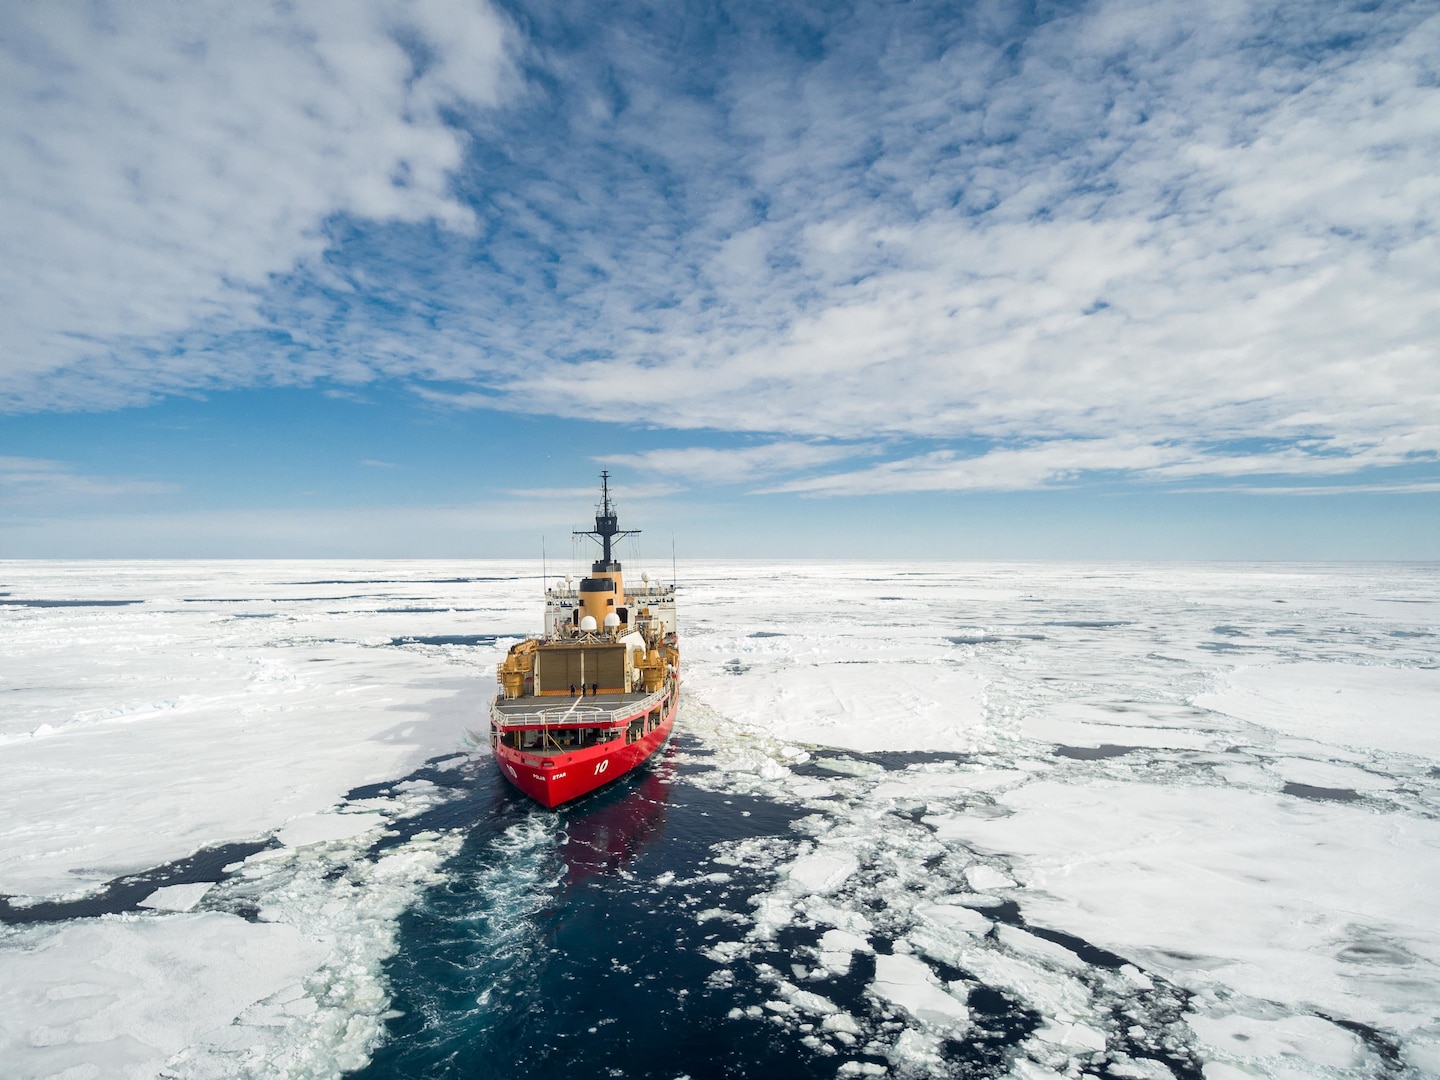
{"x": 922, "y": 820}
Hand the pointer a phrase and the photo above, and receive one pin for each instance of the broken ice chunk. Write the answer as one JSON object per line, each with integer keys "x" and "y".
{"x": 177, "y": 897}
{"x": 909, "y": 983}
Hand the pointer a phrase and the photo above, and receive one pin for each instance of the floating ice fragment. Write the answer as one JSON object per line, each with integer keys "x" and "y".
{"x": 1327, "y": 774}
{"x": 841, "y": 1021}
{"x": 829, "y": 914}
{"x": 822, "y": 871}
{"x": 808, "y": 787}
{"x": 177, "y": 897}
{"x": 934, "y": 783}
{"x": 321, "y": 828}
{"x": 952, "y": 915}
{"x": 1071, "y": 1035}
{"x": 268, "y": 855}
{"x": 836, "y": 948}
{"x": 1143, "y": 1069}
{"x": 722, "y": 914}
{"x": 1049, "y": 992}
{"x": 1028, "y": 1070}
{"x": 1025, "y": 942}
{"x": 1136, "y": 976}
{"x": 812, "y": 1003}
{"x": 726, "y": 952}
{"x": 985, "y": 878}
{"x": 910, "y": 984}
{"x": 770, "y": 769}
{"x": 847, "y": 766}
{"x": 843, "y": 941}
{"x": 721, "y": 980}
{"x": 861, "y": 1068}
{"x": 916, "y": 1052}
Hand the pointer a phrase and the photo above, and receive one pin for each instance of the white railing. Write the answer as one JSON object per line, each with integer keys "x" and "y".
{"x": 576, "y": 714}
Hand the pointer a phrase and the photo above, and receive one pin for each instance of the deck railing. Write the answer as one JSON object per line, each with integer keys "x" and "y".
{"x": 574, "y": 715}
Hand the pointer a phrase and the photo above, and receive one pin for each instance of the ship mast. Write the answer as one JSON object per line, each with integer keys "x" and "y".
{"x": 606, "y": 527}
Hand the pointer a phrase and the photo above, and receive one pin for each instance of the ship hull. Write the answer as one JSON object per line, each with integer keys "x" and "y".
{"x": 555, "y": 780}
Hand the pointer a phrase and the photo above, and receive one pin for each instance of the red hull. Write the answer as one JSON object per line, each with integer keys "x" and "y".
{"x": 560, "y": 778}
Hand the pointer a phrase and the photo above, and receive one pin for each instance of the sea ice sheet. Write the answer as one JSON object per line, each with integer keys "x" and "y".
{"x": 225, "y": 702}
{"x": 1221, "y": 784}
{"x": 1184, "y": 816}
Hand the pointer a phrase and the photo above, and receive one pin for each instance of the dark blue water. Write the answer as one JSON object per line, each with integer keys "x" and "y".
{"x": 552, "y": 951}
{"x": 123, "y": 894}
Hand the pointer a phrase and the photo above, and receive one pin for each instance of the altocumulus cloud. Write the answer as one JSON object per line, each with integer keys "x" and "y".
{"x": 1154, "y": 239}
{"x": 164, "y": 162}
{"x": 1198, "y": 225}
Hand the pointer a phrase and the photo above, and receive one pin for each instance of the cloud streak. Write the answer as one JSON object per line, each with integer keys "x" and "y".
{"x": 28, "y": 483}
{"x": 733, "y": 465}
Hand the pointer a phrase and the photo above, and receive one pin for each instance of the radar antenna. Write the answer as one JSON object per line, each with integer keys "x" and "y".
{"x": 606, "y": 526}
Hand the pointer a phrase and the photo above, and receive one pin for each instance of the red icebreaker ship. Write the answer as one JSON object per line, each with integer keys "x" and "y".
{"x": 594, "y": 696}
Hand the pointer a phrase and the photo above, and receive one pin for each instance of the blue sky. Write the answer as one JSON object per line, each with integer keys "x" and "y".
{"x": 1093, "y": 280}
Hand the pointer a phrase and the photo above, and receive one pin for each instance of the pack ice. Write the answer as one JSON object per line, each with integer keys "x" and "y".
{"x": 1186, "y": 815}
{"x": 156, "y": 711}
{"x": 1175, "y": 820}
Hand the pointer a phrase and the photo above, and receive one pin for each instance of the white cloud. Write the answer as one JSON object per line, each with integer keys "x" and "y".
{"x": 1417, "y": 488}
{"x": 162, "y": 163}
{"x": 733, "y": 465}
{"x": 1064, "y": 462}
{"x": 27, "y": 483}
{"x": 1113, "y": 241}
{"x": 1192, "y": 232}
{"x": 1046, "y": 464}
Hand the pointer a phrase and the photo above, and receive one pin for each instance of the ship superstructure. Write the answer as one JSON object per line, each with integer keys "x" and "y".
{"x": 594, "y": 696}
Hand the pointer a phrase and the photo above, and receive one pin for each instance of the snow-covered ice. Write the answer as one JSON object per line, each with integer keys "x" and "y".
{"x": 177, "y": 897}
{"x": 1365, "y": 706}
{"x": 215, "y": 703}
{"x": 1186, "y": 817}
{"x": 909, "y": 983}
{"x": 1220, "y": 783}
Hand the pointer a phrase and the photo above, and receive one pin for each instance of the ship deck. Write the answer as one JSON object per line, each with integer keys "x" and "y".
{"x": 589, "y": 710}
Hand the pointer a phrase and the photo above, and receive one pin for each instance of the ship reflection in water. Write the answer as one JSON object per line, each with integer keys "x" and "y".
{"x": 608, "y": 830}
